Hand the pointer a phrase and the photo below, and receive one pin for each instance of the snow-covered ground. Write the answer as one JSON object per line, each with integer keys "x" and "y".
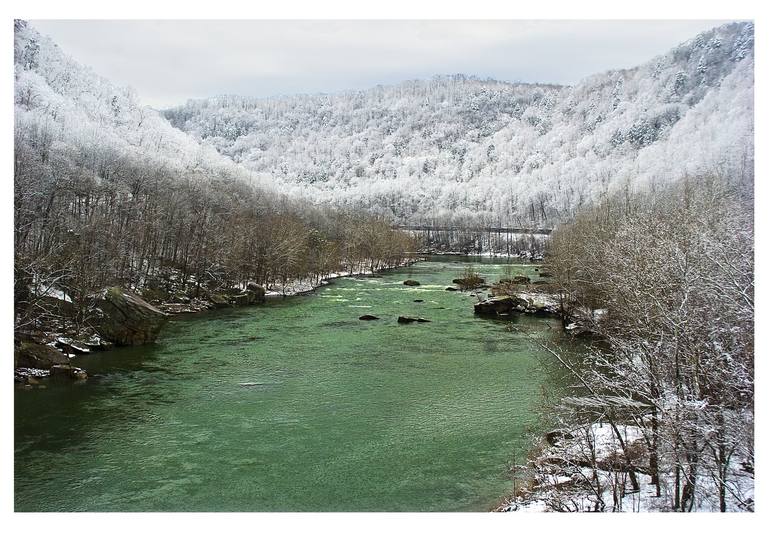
{"x": 579, "y": 474}
{"x": 301, "y": 286}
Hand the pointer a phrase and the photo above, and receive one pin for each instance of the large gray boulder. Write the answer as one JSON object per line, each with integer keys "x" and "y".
{"x": 499, "y": 305}
{"x": 126, "y": 319}
{"x": 68, "y": 372}
{"x": 257, "y": 292}
{"x": 531, "y": 303}
{"x": 37, "y": 356}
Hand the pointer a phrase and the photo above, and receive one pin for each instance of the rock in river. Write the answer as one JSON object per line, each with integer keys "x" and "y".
{"x": 411, "y": 283}
{"x": 516, "y": 280}
{"x": 540, "y": 304}
{"x": 368, "y": 317}
{"x": 468, "y": 283}
{"x": 68, "y": 372}
{"x": 126, "y": 319}
{"x": 410, "y": 319}
{"x": 499, "y": 305}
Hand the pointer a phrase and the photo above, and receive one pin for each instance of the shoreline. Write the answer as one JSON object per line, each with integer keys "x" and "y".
{"x": 62, "y": 347}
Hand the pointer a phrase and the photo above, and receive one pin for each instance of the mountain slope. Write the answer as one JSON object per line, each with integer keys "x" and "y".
{"x": 78, "y": 108}
{"x": 467, "y": 150}
{"x": 107, "y": 192}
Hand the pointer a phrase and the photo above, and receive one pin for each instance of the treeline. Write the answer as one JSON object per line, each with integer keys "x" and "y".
{"x": 470, "y": 241}
{"x": 87, "y": 217}
{"x": 674, "y": 270}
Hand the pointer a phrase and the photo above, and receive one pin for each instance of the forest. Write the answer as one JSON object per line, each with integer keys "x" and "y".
{"x": 106, "y": 193}
{"x": 672, "y": 272}
{"x": 462, "y": 151}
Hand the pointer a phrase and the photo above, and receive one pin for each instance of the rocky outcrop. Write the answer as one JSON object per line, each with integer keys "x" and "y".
{"x": 236, "y": 297}
{"x": 256, "y": 292}
{"x": 126, "y": 319}
{"x": 541, "y": 304}
{"x": 32, "y": 355}
{"x": 467, "y": 283}
{"x": 70, "y": 346}
{"x": 524, "y": 302}
{"x": 34, "y": 362}
{"x": 29, "y": 376}
{"x": 498, "y": 305}
{"x": 68, "y": 372}
{"x": 411, "y": 283}
{"x": 218, "y": 301}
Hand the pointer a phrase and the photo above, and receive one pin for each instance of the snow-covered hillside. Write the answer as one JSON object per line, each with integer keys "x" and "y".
{"x": 463, "y": 149}
{"x": 64, "y": 105}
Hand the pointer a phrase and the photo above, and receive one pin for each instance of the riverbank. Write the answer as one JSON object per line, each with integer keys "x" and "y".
{"x": 597, "y": 468}
{"x": 47, "y": 353}
{"x": 604, "y": 455}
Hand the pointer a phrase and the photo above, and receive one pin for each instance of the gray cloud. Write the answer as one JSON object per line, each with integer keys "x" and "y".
{"x": 168, "y": 62}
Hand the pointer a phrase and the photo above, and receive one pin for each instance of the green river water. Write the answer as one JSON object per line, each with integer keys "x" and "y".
{"x": 297, "y": 405}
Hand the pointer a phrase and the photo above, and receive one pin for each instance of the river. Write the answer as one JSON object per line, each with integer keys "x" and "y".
{"x": 297, "y": 406}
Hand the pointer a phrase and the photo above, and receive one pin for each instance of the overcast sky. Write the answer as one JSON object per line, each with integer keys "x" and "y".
{"x": 168, "y": 62}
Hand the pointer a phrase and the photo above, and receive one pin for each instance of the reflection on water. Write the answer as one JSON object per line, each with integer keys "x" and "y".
{"x": 295, "y": 406}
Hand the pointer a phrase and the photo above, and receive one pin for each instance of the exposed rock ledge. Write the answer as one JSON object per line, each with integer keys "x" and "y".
{"x": 533, "y": 303}
{"x": 126, "y": 319}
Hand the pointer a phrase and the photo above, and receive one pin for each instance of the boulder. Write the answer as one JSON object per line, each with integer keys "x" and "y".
{"x": 418, "y": 301}
{"x": 29, "y": 375}
{"x": 68, "y": 372}
{"x": 218, "y": 301}
{"x": 368, "y": 317}
{"x": 256, "y": 291}
{"x": 469, "y": 282}
{"x": 126, "y": 319}
{"x": 451, "y": 289}
{"x": 411, "y": 283}
{"x": 410, "y": 319}
{"x": 242, "y": 299}
{"x": 29, "y": 354}
{"x": 499, "y": 305}
{"x": 70, "y": 346}
{"x": 96, "y": 344}
{"x": 541, "y": 304}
